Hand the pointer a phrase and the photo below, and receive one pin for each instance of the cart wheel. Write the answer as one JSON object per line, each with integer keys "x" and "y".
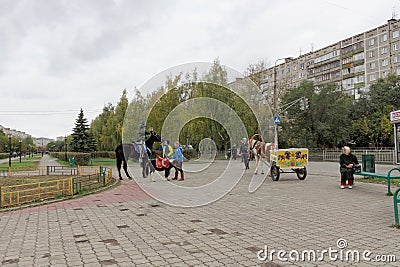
{"x": 275, "y": 173}
{"x": 301, "y": 173}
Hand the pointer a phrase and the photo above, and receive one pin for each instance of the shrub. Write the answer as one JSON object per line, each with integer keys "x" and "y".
{"x": 79, "y": 158}
{"x": 103, "y": 154}
{"x": 189, "y": 153}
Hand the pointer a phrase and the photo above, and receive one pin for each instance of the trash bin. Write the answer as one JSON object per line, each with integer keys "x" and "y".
{"x": 368, "y": 163}
{"x": 71, "y": 161}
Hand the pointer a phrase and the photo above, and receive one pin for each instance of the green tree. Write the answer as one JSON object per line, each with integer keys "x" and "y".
{"x": 385, "y": 92}
{"x": 107, "y": 127}
{"x": 370, "y": 113}
{"x": 324, "y": 123}
{"x": 97, "y": 128}
{"x": 82, "y": 140}
{"x": 55, "y": 146}
{"x": 186, "y": 87}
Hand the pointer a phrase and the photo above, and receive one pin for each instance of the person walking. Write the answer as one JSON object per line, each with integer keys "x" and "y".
{"x": 347, "y": 162}
{"x": 178, "y": 160}
{"x": 244, "y": 152}
{"x": 234, "y": 152}
{"x": 167, "y": 152}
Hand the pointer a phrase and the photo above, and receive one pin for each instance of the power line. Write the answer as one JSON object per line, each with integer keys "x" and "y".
{"x": 42, "y": 112}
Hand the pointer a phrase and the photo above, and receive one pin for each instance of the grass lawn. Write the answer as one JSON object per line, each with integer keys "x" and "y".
{"x": 103, "y": 162}
{"x": 26, "y": 163}
{"x": 395, "y": 182}
{"x": 95, "y": 162}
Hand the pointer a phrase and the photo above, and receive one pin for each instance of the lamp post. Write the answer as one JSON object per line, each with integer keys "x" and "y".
{"x": 9, "y": 156}
{"x": 65, "y": 145}
{"x": 29, "y": 149}
{"x": 20, "y": 142}
{"x": 275, "y": 102}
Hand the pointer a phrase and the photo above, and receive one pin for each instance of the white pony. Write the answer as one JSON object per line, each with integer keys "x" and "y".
{"x": 260, "y": 150}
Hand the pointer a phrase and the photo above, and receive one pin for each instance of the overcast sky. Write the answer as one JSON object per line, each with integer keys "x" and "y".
{"x": 57, "y": 56}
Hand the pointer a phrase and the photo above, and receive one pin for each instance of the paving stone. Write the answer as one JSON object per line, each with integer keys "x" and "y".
{"x": 104, "y": 229}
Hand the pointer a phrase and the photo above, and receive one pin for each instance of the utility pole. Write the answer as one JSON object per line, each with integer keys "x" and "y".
{"x": 275, "y": 102}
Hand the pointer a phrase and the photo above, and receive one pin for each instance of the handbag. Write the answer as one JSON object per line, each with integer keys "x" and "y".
{"x": 356, "y": 168}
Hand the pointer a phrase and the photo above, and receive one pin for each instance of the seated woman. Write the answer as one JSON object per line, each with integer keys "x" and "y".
{"x": 347, "y": 162}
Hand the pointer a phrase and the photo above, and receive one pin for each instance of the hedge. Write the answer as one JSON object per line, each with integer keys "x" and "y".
{"x": 103, "y": 154}
{"x": 79, "y": 158}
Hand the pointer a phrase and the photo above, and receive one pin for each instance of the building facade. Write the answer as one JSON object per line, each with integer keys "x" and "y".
{"x": 14, "y": 133}
{"x": 42, "y": 142}
{"x": 353, "y": 63}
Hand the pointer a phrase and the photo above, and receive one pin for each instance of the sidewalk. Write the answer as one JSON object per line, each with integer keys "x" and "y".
{"x": 125, "y": 227}
{"x": 46, "y": 160}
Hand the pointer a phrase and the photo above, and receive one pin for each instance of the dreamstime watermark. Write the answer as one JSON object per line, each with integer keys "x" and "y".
{"x": 185, "y": 81}
{"x": 338, "y": 253}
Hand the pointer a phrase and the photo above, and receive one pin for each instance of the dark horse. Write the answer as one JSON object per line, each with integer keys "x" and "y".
{"x": 158, "y": 167}
{"x": 138, "y": 152}
{"x": 135, "y": 151}
{"x": 154, "y": 137}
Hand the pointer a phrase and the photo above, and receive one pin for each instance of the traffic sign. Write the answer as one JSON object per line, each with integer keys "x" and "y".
{"x": 277, "y": 119}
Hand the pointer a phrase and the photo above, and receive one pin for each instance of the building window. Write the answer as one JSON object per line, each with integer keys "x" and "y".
{"x": 385, "y": 62}
{"x": 396, "y": 34}
{"x": 372, "y": 77}
{"x": 371, "y": 54}
{"x": 372, "y": 65}
{"x": 396, "y": 59}
{"x": 347, "y": 60}
{"x": 384, "y": 50}
{"x": 384, "y": 38}
{"x": 384, "y": 74}
{"x": 396, "y": 47}
{"x": 302, "y": 66}
{"x": 359, "y": 79}
{"x": 359, "y": 69}
{"x": 398, "y": 71}
{"x": 348, "y": 83}
{"x": 358, "y": 56}
{"x": 371, "y": 41}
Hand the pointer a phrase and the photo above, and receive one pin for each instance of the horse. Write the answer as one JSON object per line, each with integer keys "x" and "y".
{"x": 154, "y": 137}
{"x": 158, "y": 165}
{"x": 260, "y": 150}
{"x": 136, "y": 151}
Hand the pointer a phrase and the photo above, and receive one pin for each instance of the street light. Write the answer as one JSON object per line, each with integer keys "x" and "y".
{"x": 65, "y": 144}
{"x": 20, "y": 141}
{"x": 275, "y": 102}
{"x": 9, "y": 156}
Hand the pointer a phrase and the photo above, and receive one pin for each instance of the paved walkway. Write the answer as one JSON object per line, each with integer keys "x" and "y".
{"x": 46, "y": 160}
{"x": 125, "y": 227}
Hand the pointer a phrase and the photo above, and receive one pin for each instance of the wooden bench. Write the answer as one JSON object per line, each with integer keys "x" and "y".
{"x": 387, "y": 176}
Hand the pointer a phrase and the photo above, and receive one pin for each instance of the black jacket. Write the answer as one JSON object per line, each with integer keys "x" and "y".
{"x": 347, "y": 159}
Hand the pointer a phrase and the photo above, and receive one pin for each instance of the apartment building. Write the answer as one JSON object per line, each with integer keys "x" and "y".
{"x": 14, "y": 133}
{"x": 353, "y": 63}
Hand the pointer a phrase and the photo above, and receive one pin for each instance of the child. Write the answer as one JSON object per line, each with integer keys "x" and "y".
{"x": 244, "y": 152}
{"x": 167, "y": 153}
{"x": 178, "y": 160}
{"x": 234, "y": 152}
